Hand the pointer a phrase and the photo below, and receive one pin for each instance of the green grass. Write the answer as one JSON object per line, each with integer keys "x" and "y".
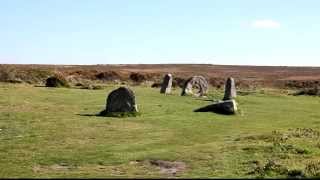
{"x": 53, "y": 132}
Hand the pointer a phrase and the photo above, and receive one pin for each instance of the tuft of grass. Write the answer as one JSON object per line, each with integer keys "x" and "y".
{"x": 312, "y": 169}
{"x": 270, "y": 168}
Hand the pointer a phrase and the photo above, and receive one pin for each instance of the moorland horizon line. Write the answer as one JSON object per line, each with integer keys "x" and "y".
{"x": 133, "y": 64}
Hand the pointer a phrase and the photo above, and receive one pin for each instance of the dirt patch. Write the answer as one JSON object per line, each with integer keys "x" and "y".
{"x": 54, "y": 167}
{"x": 169, "y": 167}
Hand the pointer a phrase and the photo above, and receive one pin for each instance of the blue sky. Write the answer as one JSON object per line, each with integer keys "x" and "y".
{"x": 244, "y": 32}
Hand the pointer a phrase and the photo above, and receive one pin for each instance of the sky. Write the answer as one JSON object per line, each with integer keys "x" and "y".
{"x": 237, "y": 32}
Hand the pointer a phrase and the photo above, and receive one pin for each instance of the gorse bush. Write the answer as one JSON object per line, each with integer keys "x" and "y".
{"x": 137, "y": 77}
{"x": 7, "y": 74}
{"x": 13, "y": 74}
{"x": 57, "y": 81}
{"x": 108, "y": 76}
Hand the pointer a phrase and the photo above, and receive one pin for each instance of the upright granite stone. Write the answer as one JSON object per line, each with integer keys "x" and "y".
{"x": 230, "y": 91}
{"x": 196, "y": 82}
{"x": 121, "y": 100}
{"x": 227, "y": 107}
{"x": 166, "y": 84}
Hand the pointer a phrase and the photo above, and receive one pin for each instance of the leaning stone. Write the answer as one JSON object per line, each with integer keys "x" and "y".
{"x": 120, "y": 101}
{"x": 224, "y": 107}
{"x": 166, "y": 84}
{"x": 230, "y": 89}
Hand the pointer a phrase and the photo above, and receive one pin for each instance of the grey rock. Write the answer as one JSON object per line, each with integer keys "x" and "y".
{"x": 166, "y": 84}
{"x": 121, "y": 100}
{"x": 196, "y": 82}
{"x": 230, "y": 91}
{"x": 227, "y": 107}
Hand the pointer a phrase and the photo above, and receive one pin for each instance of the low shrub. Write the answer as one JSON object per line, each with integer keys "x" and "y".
{"x": 108, "y": 76}
{"x": 137, "y": 77}
{"x": 309, "y": 91}
{"x": 178, "y": 82}
{"x": 57, "y": 81}
{"x": 156, "y": 85}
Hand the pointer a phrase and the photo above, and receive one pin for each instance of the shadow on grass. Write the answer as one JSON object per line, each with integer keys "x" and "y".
{"x": 210, "y": 100}
{"x": 202, "y": 99}
{"x": 90, "y": 115}
{"x": 113, "y": 114}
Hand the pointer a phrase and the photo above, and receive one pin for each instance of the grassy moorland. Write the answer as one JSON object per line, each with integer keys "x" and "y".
{"x": 53, "y": 132}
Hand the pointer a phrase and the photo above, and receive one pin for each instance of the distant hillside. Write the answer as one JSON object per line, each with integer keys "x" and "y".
{"x": 246, "y": 76}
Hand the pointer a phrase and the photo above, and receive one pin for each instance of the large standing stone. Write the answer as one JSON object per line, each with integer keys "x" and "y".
{"x": 166, "y": 84}
{"x": 195, "y": 82}
{"x": 230, "y": 91}
{"x": 224, "y": 107}
{"x": 121, "y": 100}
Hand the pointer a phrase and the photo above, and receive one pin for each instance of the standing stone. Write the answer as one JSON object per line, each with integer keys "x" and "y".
{"x": 230, "y": 89}
{"x": 166, "y": 84}
{"x": 195, "y": 82}
{"x": 121, "y": 100}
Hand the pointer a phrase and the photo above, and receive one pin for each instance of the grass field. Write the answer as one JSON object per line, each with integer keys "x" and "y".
{"x": 53, "y": 132}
